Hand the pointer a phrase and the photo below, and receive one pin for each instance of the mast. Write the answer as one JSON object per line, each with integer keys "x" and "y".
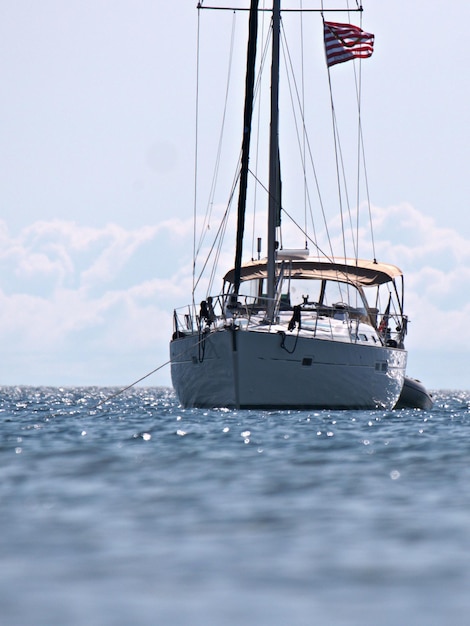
{"x": 274, "y": 168}
{"x": 247, "y": 117}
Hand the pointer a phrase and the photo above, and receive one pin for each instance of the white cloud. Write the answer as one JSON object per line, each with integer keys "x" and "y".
{"x": 63, "y": 299}
{"x": 414, "y": 238}
{"x": 119, "y": 246}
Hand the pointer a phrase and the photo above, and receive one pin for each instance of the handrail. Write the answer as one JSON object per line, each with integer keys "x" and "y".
{"x": 250, "y": 311}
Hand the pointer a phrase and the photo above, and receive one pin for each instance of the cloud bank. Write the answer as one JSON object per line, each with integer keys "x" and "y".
{"x": 93, "y": 306}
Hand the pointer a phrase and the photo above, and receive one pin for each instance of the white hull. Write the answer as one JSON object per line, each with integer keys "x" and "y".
{"x": 251, "y": 369}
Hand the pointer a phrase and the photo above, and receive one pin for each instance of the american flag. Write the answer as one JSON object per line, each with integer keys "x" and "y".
{"x": 344, "y": 42}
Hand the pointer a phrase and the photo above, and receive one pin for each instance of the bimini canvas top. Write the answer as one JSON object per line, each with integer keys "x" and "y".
{"x": 361, "y": 272}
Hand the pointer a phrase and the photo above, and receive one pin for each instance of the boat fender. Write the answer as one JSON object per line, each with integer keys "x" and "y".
{"x": 295, "y": 319}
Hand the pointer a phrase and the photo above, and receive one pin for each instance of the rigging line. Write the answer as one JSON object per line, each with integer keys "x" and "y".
{"x": 336, "y": 139}
{"x": 317, "y": 184}
{"x": 118, "y": 393}
{"x": 357, "y": 83}
{"x": 331, "y": 258}
{"x": 292, "y": 10}
{"x": 121, "y": 391}
{"x": 303, "y": 114}
{"x": 217, "y": 238}
{"x": 219, "y": 147}
{"x": 345, "y": 187}
{"x": 337, "y": 159}
{"x": 361, "y": 153}
{"x": 314, "y": 243}
{"x": 358, "y": 182}
{"x": 196, "y": 144}
{"x": 346, "y": 195}
{"x": 291, "y": 76}
{"x": 224, "y": 222}
{"x": 358, "y": 86}
{"x": 307, "y": 236}
{"x": 366, "y": 181}
{"x": 339, "y": 151}
{"x": 218, "y": 249}
{"x": 220, "y": 235}
{"x": 320, "y": 199}
{"x": 250, "y": 82}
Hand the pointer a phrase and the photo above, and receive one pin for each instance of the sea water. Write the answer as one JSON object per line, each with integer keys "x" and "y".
{"x": 138, "y": 512}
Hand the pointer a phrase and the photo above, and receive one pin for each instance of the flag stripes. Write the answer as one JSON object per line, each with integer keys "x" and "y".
{"x": 344, "y": 42}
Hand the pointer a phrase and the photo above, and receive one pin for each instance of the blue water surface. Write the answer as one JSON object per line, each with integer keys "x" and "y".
{"x": 138, "y": 512}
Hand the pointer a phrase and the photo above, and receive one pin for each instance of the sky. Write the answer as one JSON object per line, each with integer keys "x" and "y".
{"x": 97, "y": 181}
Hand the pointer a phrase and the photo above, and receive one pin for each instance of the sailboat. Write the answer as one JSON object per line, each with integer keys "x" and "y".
{"x": 292, "y": 330}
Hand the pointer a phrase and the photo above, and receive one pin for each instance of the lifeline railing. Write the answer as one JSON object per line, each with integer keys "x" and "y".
{"x": 220, "y": 311}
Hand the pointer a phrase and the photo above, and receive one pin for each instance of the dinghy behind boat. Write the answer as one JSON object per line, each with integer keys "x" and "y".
{"x": 414, "y": 395}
